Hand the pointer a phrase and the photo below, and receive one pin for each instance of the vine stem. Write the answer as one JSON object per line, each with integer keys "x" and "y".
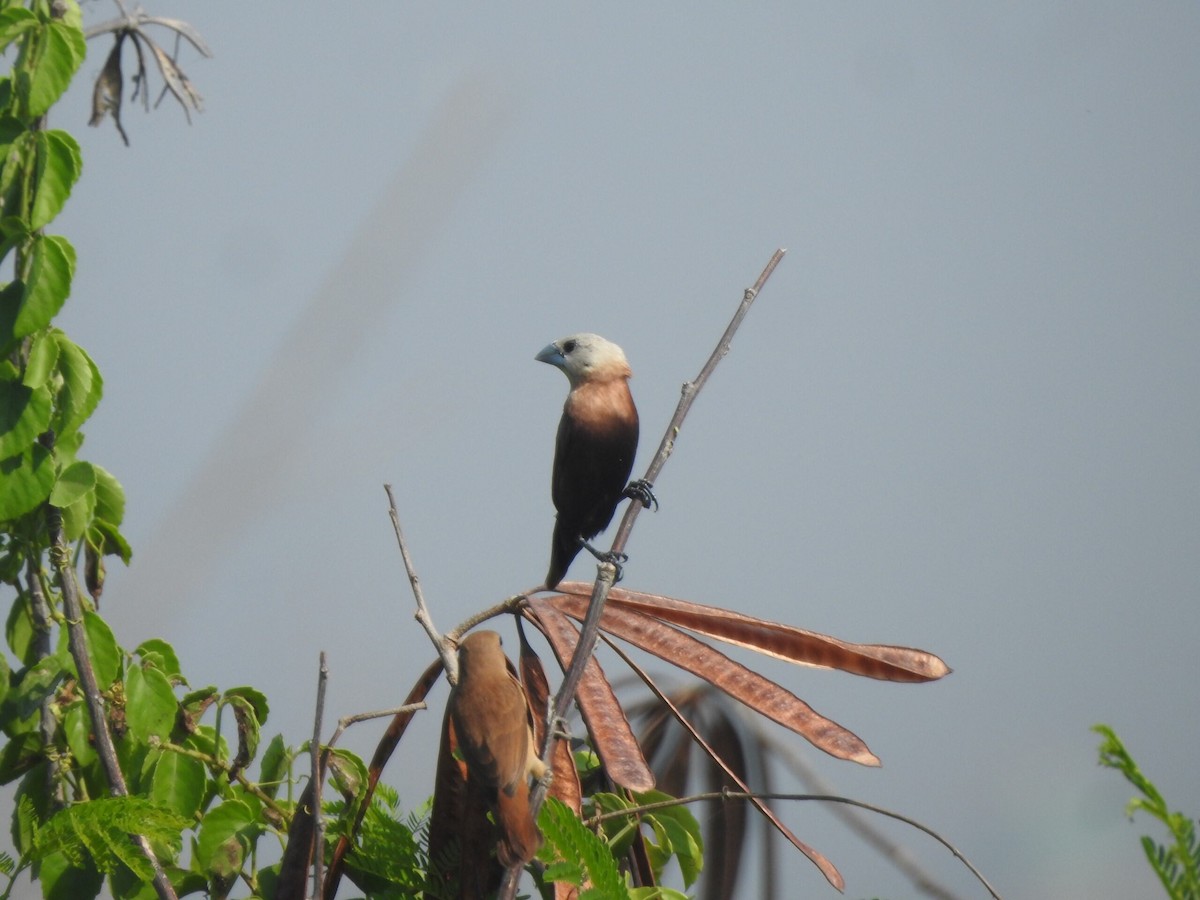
{"x": 606, "y": 572}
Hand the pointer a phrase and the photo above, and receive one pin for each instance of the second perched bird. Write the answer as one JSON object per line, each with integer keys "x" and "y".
{"x": 597, "y": 440}
{"x": 494, "y": 728}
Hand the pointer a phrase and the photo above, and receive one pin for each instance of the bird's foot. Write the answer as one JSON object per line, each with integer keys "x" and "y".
{"x": 559, "y": 729}
{"x": 614, "y": 558}
{"x": 640, "y": 490}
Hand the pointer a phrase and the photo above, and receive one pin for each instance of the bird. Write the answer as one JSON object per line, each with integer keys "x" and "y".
{"x": 594, "y": 450}
{"x": 493, "y": 726}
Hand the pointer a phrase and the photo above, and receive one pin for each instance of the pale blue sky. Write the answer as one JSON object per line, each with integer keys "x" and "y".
{"x": 963, "y": 415}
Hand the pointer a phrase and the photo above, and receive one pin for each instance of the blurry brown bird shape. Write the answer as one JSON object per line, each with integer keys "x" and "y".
{"x": 493, "y": 726}
{"x": 593, "y": 454}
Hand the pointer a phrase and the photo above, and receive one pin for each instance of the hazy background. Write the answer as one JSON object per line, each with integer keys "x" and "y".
{"x": 963, "y": 415}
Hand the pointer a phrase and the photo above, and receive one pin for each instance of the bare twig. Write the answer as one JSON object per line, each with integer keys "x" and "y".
{"x": 314, "y": 750}
{"x": 346, "y": 721}
{"x": 895, "y": 853}
{"x": 60, "y": 556}
{"x": 606, "y": 571}
{"x": 508, "y": 605}
{"x": 824, "y": 798}
{"x": 443, "y": 646}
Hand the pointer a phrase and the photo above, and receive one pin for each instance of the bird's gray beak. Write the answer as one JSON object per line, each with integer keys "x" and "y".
{"x": 551, "y": 354}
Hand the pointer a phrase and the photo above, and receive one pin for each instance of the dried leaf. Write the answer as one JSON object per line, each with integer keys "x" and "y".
{"x": 175, "y": 80}
{"x": 106, "y": 94}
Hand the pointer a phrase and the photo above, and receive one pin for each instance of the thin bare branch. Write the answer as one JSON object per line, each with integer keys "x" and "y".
{"x": 346, "y": 721}
{"x": 133, "y": 22}
{"x": 444, "y": 647}
{"x": 894, "y": 852}
{"x": 509, "y": 605}
{"x": 60, "y": 556}
{"x": 725, "y": 795}
{"x": 314, "y": 750}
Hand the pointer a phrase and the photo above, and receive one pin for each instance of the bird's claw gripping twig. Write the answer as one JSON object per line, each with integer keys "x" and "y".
{"x": 560, "y": 729}
{"x": 614, "y": 558}
{"x": 640, "y": 490}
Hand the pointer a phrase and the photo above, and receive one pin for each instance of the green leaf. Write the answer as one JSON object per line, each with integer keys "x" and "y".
{"x": 78, "y": 516}
{"x": 28, "y": 478}
{"x": 220, "y": 846}
{"x": 43, "y": 357}
{"x": 256, "y": 698}
{"x": 194, "y": 704}
{"x": 568, "y": 840}
{"x": 62, "y": 49}
{"x": 24, "y": 414}
{"x": 348, "y": 773}
{"x": 247, "y": 731}
{"x": 77, "y": 725}
{"x": 81, "y": 388}
{"x": 51, "y": 268}
{"x": 14, "y": 22}
{"x": 126, "y": 886}
{"x": 11, "y": 296}
{"x": 19, "y": 155}
{"x": 103, "y": 650}
{"x": 384, "y": 859}
{"x": 31, "y": 801}
{"x": 75, "y": 481}
{"x": 164, "y": 656}
{"x": 150, "y": 704}
{"x": 58, "y": 166}
{"x": 274, "y": 766}
{"x": 105, "y": 537}
{"x": 179, "y": 783}
{"x": 110, "y": 501}
{"x": 99, "y": 830}
{"x": 35, "y": 684}
{"x": 62, "y": 879}
{"x": 5, "y": 673}
{"x": 18, "y": 630}
{"x": 22, "y": 753}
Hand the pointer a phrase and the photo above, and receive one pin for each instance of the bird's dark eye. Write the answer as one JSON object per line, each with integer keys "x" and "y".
{"x": 568, "y": 346}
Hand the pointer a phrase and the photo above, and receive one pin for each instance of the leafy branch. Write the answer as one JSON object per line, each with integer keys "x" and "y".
{"x": 1177, "y": 864}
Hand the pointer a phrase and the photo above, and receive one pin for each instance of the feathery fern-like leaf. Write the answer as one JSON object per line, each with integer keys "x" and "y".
{"x": 576, "y": 855}
{"x": 101, "y": 829}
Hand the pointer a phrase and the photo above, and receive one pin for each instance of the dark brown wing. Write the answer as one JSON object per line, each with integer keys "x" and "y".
{"x": 592, "y": 462}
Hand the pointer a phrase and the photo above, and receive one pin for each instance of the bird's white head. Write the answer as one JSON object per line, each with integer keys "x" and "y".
{"x": 586, "y": 357}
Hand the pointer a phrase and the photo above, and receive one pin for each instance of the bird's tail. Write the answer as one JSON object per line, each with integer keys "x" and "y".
{"x": 520, "y": 838}
{"x": 563, "y": 550}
